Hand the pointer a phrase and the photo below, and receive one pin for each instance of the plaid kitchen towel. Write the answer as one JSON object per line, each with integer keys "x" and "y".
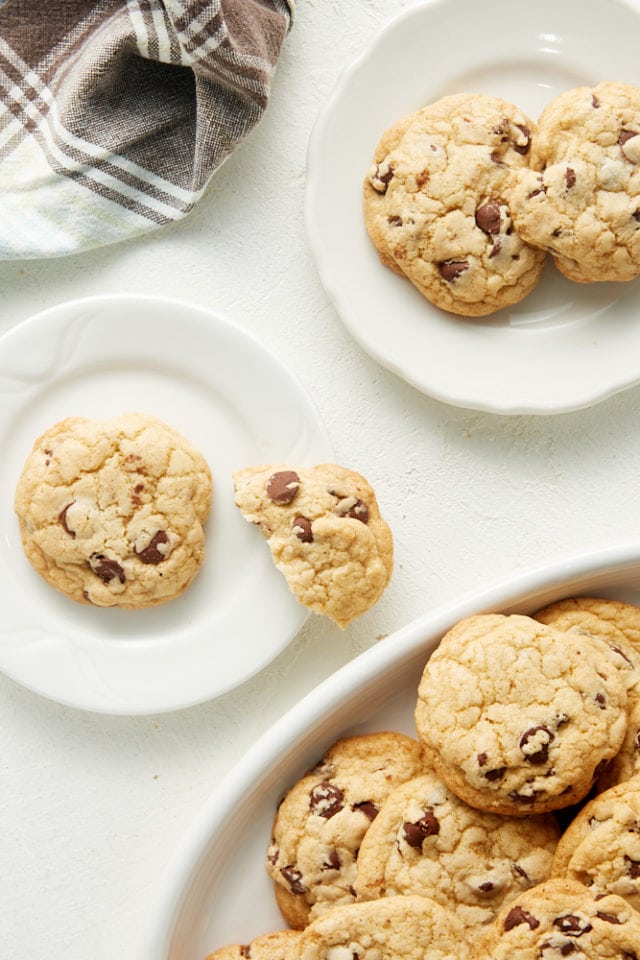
{"x": 114, "y": 114}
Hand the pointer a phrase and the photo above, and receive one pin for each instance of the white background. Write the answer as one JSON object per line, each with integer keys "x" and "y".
{"x": 92, "y": 808}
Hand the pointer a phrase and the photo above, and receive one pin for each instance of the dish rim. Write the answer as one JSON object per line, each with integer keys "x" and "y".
{"x": 287, "y": 741}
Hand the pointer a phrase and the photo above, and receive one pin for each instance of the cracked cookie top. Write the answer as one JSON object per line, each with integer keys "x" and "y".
{"x": 325, "y": 533}
{"x": 520, "y": 717}
{"x": 426, "y": 840}
{"x": 436, "y": 203}
{"x": 581, "y": 199}
{"x": 394, "y": 928}
{"x": 111, "y": 511}
{"x": 319, "y": 826}
{"x": 601, "y": 846}
{"x": 562, "y": 918}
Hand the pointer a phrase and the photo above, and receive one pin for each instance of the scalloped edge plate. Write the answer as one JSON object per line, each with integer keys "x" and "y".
{"x": 565, "y": 346}
{"x": 101, "y": 356}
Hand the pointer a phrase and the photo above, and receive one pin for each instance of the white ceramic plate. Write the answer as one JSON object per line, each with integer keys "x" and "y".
{"x": 565, "y": 346}
{"x": 103, "y": 356}
{"x": 217, "y": 892}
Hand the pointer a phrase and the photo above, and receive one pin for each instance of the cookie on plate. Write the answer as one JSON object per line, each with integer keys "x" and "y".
{"x": 618, "y": 625}
{"x": 562, "y": 918}
{"x": 581, "y": 199}
{"x": 520, "y": 716}
{"x": 111, "y": 512}
{"x": 278, "y": 945}
{"x": 396, "y": 928}
{"x": 325, "y": 532}
{"x": 436, "y": 203}
{"x": 601, "y": 846}
{"x": 319, "y": 826}
{"x": 427, "y": 841}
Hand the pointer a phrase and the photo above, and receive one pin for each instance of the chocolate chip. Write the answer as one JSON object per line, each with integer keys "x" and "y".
{"x": 325, "y": 800}
{"x": 534, "y": 744}
{"x": 353, "y": 507}
{"x": 394, "y": 220}
{"x": 496, "y": 774}
{"x": 564, "y": 949}
{"x": 496, "y": 157}
{"x": 523, "y": 148}
{"x": 369, "y": 809}
{"x": 625, "y": 136}
{"x": 302, "y": 529}
{"x": 333, "y": 861}
{"x": 601, "y": 700}
{"x": 594, "y": 101}
{"x": 516, "y": 916}
{"x": 151, "y": 553}
{"x": 495, "y": 249}
{"x": 636, "y": 215}
{"x": 633, "y": 868}
{"x": 571, "y": 925}
{"x": 283, "y": 487}
{"x": 488, "y": 217}
{"x": 106, "y": 569}
{"x": 245, "y": 951}
{"x": 62, "y": 517}
{"x": 570, "y": 177}
{"x": 380, "y": 176}
{"x": 482, "y": 759}
{"x": 450, "y": 270}
{"x": 608, "y": 917}
{"x": 294, "y": 879}
{"x": 521, "y": 871}
{"x": 426, "y": 826}
{"x": 524, "y": 797}
{"x": 621, "y": 653}
{"x": 486, "y": 887}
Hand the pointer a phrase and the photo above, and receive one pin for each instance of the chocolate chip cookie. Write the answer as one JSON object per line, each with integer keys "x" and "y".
{"x": 561, "y": 918}
{"x": 581, "y": 199}
{"x": 278, "y": 945}
{"x": 111, "y": 512}
{"x": 396, "y": 928}
{"x": 618, "y": 625}
{"x": 325, "y": 532}
{"x": 425, "y": 840}
{"x": 436, "y": 203}
{"x": 520, "y": 717}
{"x": 319, "y": 826}
{"x": 601, "y": 846}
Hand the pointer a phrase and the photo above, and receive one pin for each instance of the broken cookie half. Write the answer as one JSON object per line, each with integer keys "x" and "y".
{"x": 325, "y": 532}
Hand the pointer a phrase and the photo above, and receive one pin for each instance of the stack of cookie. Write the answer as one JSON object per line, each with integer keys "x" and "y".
{"x": 510, "y": 826}
{"x": 466, "y": 196}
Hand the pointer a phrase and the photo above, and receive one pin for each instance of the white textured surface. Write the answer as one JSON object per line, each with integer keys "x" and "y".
{"x": 93, "y": 807}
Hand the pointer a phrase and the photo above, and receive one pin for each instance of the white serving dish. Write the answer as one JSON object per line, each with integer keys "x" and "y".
{"x": 216, "y": 891}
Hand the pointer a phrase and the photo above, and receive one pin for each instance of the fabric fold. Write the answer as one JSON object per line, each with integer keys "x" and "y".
{"x": 114, "y": 114}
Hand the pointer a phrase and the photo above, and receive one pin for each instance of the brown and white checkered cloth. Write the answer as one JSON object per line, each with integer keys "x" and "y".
{"x": 114, "y": 114}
